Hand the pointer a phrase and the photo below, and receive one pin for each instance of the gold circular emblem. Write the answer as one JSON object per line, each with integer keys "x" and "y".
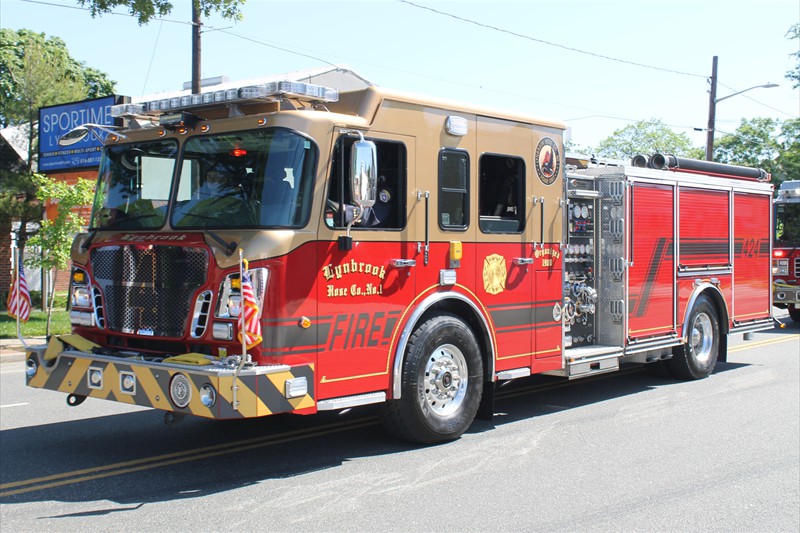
{"x": 494, "y": 274}
{"x": 547, "y": 161}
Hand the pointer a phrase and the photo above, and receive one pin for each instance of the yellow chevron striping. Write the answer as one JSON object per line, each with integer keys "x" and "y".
{"x": 76, "y": 373}
{"x": 146, "y": 382}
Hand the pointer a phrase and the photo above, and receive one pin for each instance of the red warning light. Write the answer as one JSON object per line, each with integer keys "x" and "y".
{"x": 238, "y": 152}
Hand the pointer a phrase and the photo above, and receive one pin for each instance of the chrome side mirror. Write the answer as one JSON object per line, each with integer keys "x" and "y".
{"x": 73, "y": 136}
{"x": 363, "y": 173}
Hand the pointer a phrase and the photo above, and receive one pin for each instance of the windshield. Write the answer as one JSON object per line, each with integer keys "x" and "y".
{"x": 134, "y": 184}
{"x": 255, "y": 178}
{"x": 787, "y": 223}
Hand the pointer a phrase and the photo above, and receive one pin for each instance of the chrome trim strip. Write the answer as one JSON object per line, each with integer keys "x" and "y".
{"x": 351, "y": 401}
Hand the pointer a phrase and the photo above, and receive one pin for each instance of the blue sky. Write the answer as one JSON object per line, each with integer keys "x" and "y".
{"x": 596, "y": 65}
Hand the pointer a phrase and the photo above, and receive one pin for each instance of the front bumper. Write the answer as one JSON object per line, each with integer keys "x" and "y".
{"x": 261, "y": 390}
{"x": 783, "y": 294}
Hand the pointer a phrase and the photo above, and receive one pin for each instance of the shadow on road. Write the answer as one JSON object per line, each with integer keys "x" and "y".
{"x": 134, "y": 459}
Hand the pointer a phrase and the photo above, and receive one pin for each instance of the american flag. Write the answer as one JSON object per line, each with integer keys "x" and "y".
{"x": 19, "y": 299}
{"x": 249, "y": 322}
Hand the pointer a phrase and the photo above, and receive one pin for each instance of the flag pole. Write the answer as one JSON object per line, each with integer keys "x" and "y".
{"x": 241, "y": 306}
{"x": 17, "y": 258}
{"x": 235, "y": 387}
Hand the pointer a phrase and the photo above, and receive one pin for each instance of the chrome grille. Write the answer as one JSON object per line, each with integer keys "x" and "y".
{"x": 147, "y": 288}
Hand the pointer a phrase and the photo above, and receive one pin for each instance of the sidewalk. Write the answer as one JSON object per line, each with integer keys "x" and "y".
{"x": 12, "y": 349}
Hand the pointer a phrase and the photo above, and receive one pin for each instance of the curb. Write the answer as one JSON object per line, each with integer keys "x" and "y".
{"x": 11, "y": 350}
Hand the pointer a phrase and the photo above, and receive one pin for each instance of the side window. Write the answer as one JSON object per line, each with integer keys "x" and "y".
{"x": 389, "y": 211}
{"x": 453, "y": 190}
{"x": 501, "y": 194}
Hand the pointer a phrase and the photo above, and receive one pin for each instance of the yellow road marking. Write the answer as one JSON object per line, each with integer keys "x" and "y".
{"x": 148, "y": 463}
{"x": 756, "y": 344}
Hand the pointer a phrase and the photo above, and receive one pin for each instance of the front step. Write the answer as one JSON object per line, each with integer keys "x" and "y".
{"x": 589, "y": 361}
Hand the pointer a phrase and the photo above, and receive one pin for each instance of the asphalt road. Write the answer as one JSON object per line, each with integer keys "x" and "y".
{"x": 625, "y": 451}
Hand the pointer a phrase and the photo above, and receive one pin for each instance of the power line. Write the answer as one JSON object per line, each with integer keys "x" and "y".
{"x": 549, "y": 43}
{"x": 756, "y": 101}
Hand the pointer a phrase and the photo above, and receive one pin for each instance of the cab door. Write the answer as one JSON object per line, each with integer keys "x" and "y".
{"x": 363, "y": 291}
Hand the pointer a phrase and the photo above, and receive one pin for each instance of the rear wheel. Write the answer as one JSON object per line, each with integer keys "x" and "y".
{"x": 696, "y": 359}
{"x": 441, "y": 383}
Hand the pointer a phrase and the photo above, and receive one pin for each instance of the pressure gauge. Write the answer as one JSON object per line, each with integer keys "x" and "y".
{"x": 585, "y": 211}
{"x": 577, "y": 211}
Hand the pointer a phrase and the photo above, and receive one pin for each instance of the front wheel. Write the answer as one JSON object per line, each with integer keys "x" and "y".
{"x": 442, "y": 382}
{"x": 697, "y": 358}
{"x": 794, "y": 312}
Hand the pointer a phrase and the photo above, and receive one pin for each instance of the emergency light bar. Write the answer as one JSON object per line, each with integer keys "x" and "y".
{"x": 268, "y": 91}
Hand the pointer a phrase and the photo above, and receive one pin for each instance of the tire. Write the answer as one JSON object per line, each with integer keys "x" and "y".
{"x": 697, "y": 358}
{"x": 794, "y": 312}
{"x": 442, "y": 383}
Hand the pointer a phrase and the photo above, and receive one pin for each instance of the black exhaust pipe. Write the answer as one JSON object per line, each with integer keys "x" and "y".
{"x": 670, "y": 162}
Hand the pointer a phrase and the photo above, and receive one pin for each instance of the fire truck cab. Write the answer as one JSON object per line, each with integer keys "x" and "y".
{"x": 786, "y": 250}
{"x": 402, "y": 250}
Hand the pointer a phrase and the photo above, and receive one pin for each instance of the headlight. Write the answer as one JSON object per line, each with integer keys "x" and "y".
{"x": 780, "y": 267}
{"x": 229, "y": 292}
{"x": 81, "y": 296}
{"x": 234, "y": 306}
{"x": 208, "y": 396}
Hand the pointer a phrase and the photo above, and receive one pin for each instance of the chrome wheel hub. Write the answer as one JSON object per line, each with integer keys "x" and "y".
{"x": 445, "y": 380}
{"x": 702, "y": 338}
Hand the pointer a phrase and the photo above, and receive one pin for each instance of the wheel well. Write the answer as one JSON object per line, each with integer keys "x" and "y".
{"x": 466, "y": 313}
{"x": 718, "y": 302}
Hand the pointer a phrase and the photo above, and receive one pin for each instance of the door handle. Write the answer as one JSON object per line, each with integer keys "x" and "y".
{"x": 403, "y": 263}
{"x": 523, "y": 260}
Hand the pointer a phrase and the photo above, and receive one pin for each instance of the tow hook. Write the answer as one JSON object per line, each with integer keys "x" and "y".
{"x": 74, "y": 400}
{"x": 171, "y": 418}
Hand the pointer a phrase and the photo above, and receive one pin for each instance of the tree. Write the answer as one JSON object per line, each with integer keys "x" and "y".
{"x": 764, "y": 143}
{"x": 646, "y": 137}
{"x": 35, "y": 71}
{"x": 794, "y": 75}
{"x": 144, "y": 10}
{"x": 55, "y": 236}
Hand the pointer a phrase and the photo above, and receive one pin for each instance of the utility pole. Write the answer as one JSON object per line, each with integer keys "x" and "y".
{"x": 712, "y": 112}
{"x": 196, "y": 24}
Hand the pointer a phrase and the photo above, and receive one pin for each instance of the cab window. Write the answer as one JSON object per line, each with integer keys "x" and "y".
{"x": 389, "y": 211}
{"x": 501, "y": 194}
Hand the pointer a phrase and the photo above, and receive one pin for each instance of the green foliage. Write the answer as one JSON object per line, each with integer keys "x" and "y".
{"x": 55, "y": 236}
{"x": 37, "y": 71}
{"x": 144, "y": 10}
{"x": 794, "y": 75}
{"x": 646, "y": 137}
{"x": 764, "y": 143}
{"x": 36, "y": 325}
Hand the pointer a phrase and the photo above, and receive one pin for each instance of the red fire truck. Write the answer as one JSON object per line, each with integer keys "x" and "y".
{"x": 786, "y": 251}
{"x": 400, "y": 250}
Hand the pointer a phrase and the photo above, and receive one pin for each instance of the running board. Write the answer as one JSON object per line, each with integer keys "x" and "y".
{"x": 346, "y": 402}
{"x": 589, "y": 361}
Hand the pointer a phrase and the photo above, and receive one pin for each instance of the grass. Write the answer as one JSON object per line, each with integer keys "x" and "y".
{"x": 36, "y": 324}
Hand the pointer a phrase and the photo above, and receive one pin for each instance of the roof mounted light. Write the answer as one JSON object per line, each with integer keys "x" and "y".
{"x": 269, "y": 92}
{"x": 175, "y": 121}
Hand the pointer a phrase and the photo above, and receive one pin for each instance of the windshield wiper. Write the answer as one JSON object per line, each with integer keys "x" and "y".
{"x": 229, "y": 247}
{"x": 88, "y": 242}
